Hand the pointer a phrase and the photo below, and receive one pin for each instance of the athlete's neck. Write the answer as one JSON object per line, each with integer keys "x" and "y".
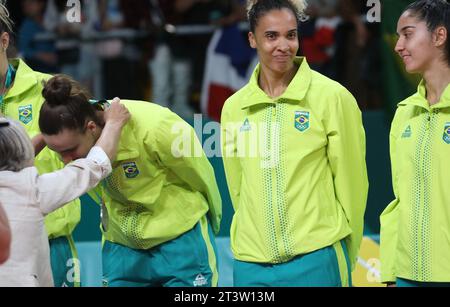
{"x": 436, "y": 81}
{"x": 274, "y": 84}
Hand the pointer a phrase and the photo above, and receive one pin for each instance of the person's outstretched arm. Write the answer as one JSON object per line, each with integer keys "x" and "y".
{"x": 5, "y": 236}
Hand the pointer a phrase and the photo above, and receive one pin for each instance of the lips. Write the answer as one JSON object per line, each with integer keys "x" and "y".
{"x": 282, "y": 58}
{"x": 406, "y": 57}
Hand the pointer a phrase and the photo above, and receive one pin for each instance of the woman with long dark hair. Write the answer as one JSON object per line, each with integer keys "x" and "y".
{"x": 415, "y": 227}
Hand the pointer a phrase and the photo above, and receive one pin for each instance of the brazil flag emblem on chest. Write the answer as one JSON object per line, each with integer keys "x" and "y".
{"x": 447, "y": 133}
{"x": 26, "y": 114}
{"x": 302, "y": 120}
{"x": 131, "y": 170}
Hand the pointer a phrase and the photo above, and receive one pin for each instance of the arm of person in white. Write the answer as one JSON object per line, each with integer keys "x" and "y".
{"x": 58, "y": 188}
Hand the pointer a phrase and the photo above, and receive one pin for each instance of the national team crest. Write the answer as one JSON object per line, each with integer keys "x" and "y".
{"x": 131, "y": 170}
{"x": 302, "y": 121}
{"x": 447, "y": 133}
{"x": 26, "y": 114}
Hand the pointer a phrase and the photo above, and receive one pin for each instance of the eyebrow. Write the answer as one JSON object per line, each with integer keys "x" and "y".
{"x": 405, "y": 28}
{"x": 276, "y": 32}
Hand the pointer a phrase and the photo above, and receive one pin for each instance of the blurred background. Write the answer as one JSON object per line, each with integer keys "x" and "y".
{"x": 190, "y": 55}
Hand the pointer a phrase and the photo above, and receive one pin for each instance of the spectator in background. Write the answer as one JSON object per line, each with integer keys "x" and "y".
{"x": 136, "y": 16}
{"x": 136, "y": 13}
{"x": 229, "y": 62}
{"x": 177, "y": 65}
{"x": 5, "y": 236}
{"x": 353, "y": 11}
{"x": 117, "y": 54}
{"x": 40, "y": 55}
{"x": 357, "y": 58}
{"x": 318, "y": 35}
{"x": 88, "y": 69}
{"x": 67, "y": 45}
{"x": 110, "y": 51}
{"x": 237, "y": 13}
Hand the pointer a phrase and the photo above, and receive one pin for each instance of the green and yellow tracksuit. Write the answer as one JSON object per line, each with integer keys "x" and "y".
{"x": 23, "y": 102}
{"x": 415, "y": 227}
{"x": 159, "y": 189}
{"x": 295, "y": 167}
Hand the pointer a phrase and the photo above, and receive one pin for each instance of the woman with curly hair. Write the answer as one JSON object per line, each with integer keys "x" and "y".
{"x": 300, "y": 200}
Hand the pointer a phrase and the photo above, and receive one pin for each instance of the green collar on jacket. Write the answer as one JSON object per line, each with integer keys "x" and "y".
{"x": 296, "y": 90}
{"x": 128, "y": 146}
{"x": 420, "y": 98}
{"x": 25, "y": 78}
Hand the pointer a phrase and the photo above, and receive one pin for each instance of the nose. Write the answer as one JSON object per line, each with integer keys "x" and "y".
{"x": 399, "y": 46}
{"x": 284, "y": 45}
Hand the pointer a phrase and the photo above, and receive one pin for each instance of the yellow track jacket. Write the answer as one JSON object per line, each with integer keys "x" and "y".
{"x": 295, "y": 167}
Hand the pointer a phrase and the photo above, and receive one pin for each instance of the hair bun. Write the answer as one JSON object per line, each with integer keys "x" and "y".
{"x": 57, "y": 90}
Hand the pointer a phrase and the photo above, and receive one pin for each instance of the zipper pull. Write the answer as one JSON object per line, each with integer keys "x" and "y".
{"x": 428, "y": 121}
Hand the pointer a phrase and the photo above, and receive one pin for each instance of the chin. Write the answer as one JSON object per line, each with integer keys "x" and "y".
{"x": 282, "y": 67}
{"x": 412, "y": 70}
{"x": 415, "y": 67}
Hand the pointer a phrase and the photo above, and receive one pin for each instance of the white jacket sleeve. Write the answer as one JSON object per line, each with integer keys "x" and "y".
{"x": 58, "y": 188}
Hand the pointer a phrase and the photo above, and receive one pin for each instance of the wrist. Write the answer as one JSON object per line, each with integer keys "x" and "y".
{"x": 112, "y": 125}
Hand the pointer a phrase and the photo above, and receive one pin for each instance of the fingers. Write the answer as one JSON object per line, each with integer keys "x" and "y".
{"x": 117, "y": 112}
{"x": 115, "y": 101}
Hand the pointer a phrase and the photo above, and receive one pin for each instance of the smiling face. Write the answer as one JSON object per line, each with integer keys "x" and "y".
{"x": 275, "y": 38}
{"x": 415, "y": 44}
